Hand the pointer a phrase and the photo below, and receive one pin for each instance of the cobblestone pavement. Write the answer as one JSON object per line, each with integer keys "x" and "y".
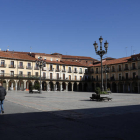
{"x": 76, "y": 104}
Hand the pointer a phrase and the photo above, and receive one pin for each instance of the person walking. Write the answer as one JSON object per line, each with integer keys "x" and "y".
{"x": 2, "y": 97}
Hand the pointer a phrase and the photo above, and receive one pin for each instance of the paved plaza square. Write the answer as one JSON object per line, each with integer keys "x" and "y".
{"x": 76, "y": 104}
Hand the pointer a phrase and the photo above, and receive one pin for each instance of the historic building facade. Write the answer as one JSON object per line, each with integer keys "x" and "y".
{"x": 18, "y": 71}
{"x": 123, "y": 74}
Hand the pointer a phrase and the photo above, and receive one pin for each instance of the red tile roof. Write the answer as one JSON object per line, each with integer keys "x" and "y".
{"x": 114, "y": 61}
{"x": 76, "y": 57}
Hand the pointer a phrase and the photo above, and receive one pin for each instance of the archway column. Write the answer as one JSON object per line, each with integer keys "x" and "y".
{"x": 7, "y": 82}
{"x": 16, "y": 81}
{"x": 138, "y": 87}
{"x": 24, "y": 84}
{"x": 66, "y": 86}
{"x": 77, "y": 86}
{"x": 117, "y": 87}
{"x": 60, "y": 86}
{"x": 72, "y": 86}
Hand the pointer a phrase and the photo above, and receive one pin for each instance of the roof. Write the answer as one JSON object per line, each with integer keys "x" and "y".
{"x": 114, "y": 61}
{"x": 19, "y": 56}
{"x": 76, "y": 57}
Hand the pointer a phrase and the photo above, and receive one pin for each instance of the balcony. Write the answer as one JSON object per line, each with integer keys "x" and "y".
{"x": 28, "y": 67}
{"x": 97, "y": 72}
{"x": 69, "y": 71}
{"x": 91, "y": 72}
{"x": 36, "y": 68}
{"x": 80, "y": 72}
{"x": 75, "y": 71}
{"x": 133, "y": 68}
{"x": 3, "y": 65}
{"x": 113, "y": 70}
{"x": 43, "y": 69}
{"x": 57, "y": 70}
{"x": 63, "y": 70}
{"x": 126, "y": 68}
{"x": 50, "y": 69}
{"x": 119, "y": 69}
{"x": 12, "y": 66}
{"x": 20, "y": 67}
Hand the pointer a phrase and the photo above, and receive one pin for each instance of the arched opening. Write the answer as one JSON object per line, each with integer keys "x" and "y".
{"x": 114, "y": 87}
{"x": 57, "y": 86}
{"x": 85, "y": 87}
{"x": 63, "y": 86}
{"x": 75, "y": 87}
{"x": 127, "y": 87}
{"x": 51, "y": 86}
{"x": 93, "y": 87}
{"x": 134, "y": 87}
{"x": 20, "y": 85}
{"x": 69, "y": 87}
{"x": 44, "y": 86}
{"x": 120, "y": 87}
{"x": 97, "y": 85}
{"x": 11, "y": 85}
{"x": 80, "y": 86}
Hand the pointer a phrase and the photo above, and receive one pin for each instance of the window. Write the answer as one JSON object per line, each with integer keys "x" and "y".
{"x": 97, "y": 77}
{"x": 63, "y": 67}
{"x": 75, "y": 70}
{"x": 120, "y": 77}
{"x": 51, "y": 67}
{"x": 69, "y": 77}
{"x": 134, "y": 75}
{"x": 113, "y": 68}
{"x": 29, "y": 66}
{"x": 63, "y": 76}
{"x": 12, "y": 63}
{"x": 20, "y": 64}
{"x": 29, "y": 74}
{"x": 80, "y": 78}
{"x": 75, "y": 77}
{"x": 57, "y": 75}
{"x": 126, "y": 66}
{"x": 50, "y": 75}
{"x": 44, "y": 74}
{"x": 126, "y": 75}
{"x": 20, "y": 73}
{"x": 2, "y": 72}
{"x": 119, "y": 67}
{"x": 12, "y": 73}
{"x": 36, "y": 74}
{"x": 96, "y": 70}
{"x": 133, "y": 66}
{"x": 2, "y": 63}
{"x": 92, "y": 77}
{"x": 69, "y": 69}
{"x": 80, "y": 71}
{"x": 57, "y": 67}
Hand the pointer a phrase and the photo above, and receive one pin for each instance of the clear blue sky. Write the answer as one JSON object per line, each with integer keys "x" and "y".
{"x": 70, "y": 26}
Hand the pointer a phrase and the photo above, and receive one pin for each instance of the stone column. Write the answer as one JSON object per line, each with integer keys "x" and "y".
{"x": 77, "y": 86}
{"x": 54, "y": 86}
{"x": 66, "y": 86}
{"x": 60, "y": 86}
{"x": 117, "y": 87}
{"x": 11, "y": 86}
{"x": 83, "y": 86}
{"x": 124, "y": 88}
{"x": 131, "y": 87}
{"x": 138, "y": 88}
{"x": 72, "y": 84}
{"x": 25, "y": 84}
{"x": 7, "y": 82}
{"x": 16, "y": 81}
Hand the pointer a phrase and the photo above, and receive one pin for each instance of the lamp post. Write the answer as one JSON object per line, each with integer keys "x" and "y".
{"x": 101, "y": 53}
{"x": 40, "y": 63}
{"x": 106, "y": 70}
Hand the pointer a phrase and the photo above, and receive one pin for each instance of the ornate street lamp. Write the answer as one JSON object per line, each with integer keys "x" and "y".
{"x": 40, "y": 63}
{"x": 101, "y": 53}
{"x": 106, "y": 70}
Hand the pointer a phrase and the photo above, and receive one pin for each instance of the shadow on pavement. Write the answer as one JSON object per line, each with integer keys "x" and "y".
{"x": 112, "y": 123}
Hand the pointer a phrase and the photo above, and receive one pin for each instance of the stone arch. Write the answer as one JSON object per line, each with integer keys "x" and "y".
{"x": 120, "y": 87}
{"x": 63, "y": 86}
{"x": 85, "y": 87}
{"x": 75, "y": 86}
{"x": 127, "y": 87}
{"x": 44, "y": 86}
{"x": 93, "y": 87}
{"x": 51, "y": 86}
{"x": 135, "y": 87}
{"x": 80, "y": 86}
{"x": 57, "y": 86}
{"x": 11, "y": 85}
{"x": 69, "y": 86}
{"x": 20, "y": 85}
{"x": 114, "y": 87}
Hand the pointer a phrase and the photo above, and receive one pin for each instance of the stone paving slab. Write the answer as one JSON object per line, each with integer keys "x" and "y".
{"x": 76, "y": 104}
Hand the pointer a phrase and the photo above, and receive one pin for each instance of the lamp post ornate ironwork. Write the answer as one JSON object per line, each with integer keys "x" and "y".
{"x": 106, "y": 70}
{"x": 101, "y": 53}
{"x": 40, "y": 63}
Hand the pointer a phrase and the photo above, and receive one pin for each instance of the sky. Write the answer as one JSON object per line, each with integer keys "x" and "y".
{"x": 70, "y": 27}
